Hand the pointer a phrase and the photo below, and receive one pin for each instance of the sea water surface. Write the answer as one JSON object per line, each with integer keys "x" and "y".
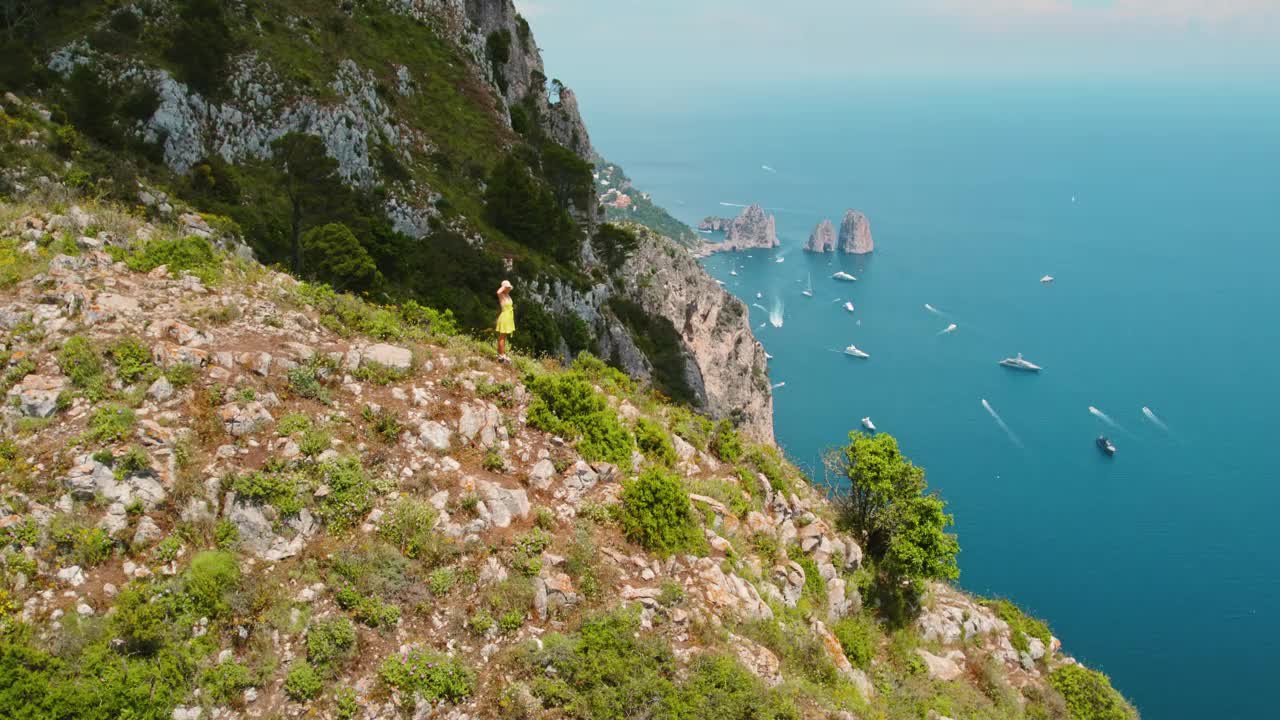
{"x": 1157, "y": 211}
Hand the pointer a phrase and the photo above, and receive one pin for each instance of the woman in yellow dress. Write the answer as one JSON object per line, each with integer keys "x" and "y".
{"x": 506, "y": 319}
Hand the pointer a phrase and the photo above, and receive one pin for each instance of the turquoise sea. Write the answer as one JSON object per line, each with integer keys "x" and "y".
{"x": 1160, "y": 566}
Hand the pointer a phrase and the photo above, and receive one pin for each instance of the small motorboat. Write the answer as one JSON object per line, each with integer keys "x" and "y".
{"x": 808, "y": 291}
{"x": 866, "y": 423}
{"x": 780, "y": 260}
{"x": 853, "y": 351}
{"x": 1046, "y": 279}
{"x": 842, "y": 275}
{"x": 720, "y": 282}
{"x": 733, "y": 272}
{"x": 848, "y": 306}
{"x": 767, "y": 356}
{"x": 1019, "y": 363}
{"x": 1105, "y": 445}
{"x": 780, "y": 385}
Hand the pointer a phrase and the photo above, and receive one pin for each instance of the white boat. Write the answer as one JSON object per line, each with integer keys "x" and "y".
{"x": 1046, "y": 279}
{"x": 759, "y": 295}
{"x": 853, "y": 351}
{"x": 733, "y": 272}
{"x": 1019, "y": 363}
{"x": 842, "y": 275}
{"x": 781, "y": 384}
{"x": 866, "y": 423}
{"x": 808, "y": 291}
{"x": 780, "y": 260}
{"x": 720, "y": 282}
{"x": 848, "y": 306}
{"x": 767, "y": 356}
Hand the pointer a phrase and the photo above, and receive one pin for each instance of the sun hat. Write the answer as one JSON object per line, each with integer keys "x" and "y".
{"x": 506, "y": 285}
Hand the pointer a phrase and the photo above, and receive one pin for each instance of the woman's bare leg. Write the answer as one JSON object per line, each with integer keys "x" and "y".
{"x": 502, "y": 344}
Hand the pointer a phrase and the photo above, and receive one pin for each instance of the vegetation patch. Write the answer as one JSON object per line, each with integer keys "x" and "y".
{"x": 431, "y": 675}
{"x": 656, "y": 514}
{"x": 565, "y": 404}
{"x": 1089, "y": 694}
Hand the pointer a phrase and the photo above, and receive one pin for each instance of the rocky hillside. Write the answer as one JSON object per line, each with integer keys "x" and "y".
{"x": 228, "y": 494}
{"x": 399, "y": 149}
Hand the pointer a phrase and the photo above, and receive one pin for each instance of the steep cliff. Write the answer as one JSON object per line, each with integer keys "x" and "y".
{"x": 822, "y": 239}
{"x": 728, "y": 367}
{"x": 855, "y": 234}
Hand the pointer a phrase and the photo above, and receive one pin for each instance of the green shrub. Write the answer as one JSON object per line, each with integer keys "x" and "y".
{"x": 14, "y": 374}
{"x": 441, "y": 581}
{"x": 85, "y": 546}
{"x": 654, "y": 442}
{"x": 857, "y": 637}
{"x": 608, "y": 669}
{"x": 302, "y": 682}
{"x": 351, "y": 493}
{"x": 111, "y": 423}
{"x": 380, "y": 374}
{"x": 566, "y": 404}
{"x": 81, "y": 363}
{"x": 694, "y": 428}
{"x": 293, "y": 423}
{"x": 1089, "y": 694}
{"x": 314, "y": 441}
{"x": 384, "y": 423}
{"x": 815, "y": 587}
{"x": 725, "y": 443}
{"x": 224, "y": 683}
{"x": 277, "y": 489}
{"x": 409, "y": 525}
{"x": 656, "y": 514}
{"x": 180, "y": 375}
{"x": 189, "y": 254}
{"x": 345, "y": 705}
{"x": 433, "y": 676}
{"x": 330, "y": 640}
{"x": 226, "y": 535}
{"x": 211, "y": 575}
{"x": 133, "y": 462}
{"x": 132, "y": 360}
{"x": 332, "y": 254}
{"x": 305, "y": 382}
{"x": 369, "y": 610}
{"x": 1022, "y": 627}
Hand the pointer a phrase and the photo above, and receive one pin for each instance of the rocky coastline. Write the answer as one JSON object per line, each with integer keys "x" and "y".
{"x": 854, "y": 238}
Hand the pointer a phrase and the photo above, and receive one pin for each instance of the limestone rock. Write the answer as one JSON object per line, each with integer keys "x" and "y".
{"x": 759, "y": 659}
{"x": 389, "y": 356}
{"x": 940, "y": 668}
{"x": 435, "y": 435}
{"x": 37, "y": 395}
{"x": 541, "y": 474}
{"x": 855, "y": 234}
{"x": 753, "y": 228}
{"x": 822, "y": 239}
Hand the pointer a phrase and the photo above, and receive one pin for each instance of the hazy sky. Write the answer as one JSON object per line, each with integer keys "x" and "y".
{"x": 630, "y": 49}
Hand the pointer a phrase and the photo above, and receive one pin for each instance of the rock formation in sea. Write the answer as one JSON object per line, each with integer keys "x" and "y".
{"x": 855, "y": 234}
{"x": 822, "y": 239}
{"x": 754, "y": 228}
{"x": 714, "y": 224}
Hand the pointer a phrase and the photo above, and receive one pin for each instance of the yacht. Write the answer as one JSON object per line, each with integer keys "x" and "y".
{"x": 842, "y": 275}
{"x": 853, "y": 351}
{"x": 866, "y": 423}
{"x": 808, "y": 291}
{"x": 848, "y": 306}
{"x": 1046, "y": 279}
{"x": 1019, "y": 363}
{"x": 1105, "y": 445}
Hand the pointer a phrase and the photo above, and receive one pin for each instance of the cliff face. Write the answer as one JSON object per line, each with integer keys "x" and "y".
{"x": 822, "y": 239}
{"x": 855, "y": 234}
{"x": 731, "y": 369}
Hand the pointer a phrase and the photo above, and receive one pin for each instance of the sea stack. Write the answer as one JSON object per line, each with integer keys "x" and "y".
{"x": 822, "y": 239}
{"x": 752, "y": 229}
{"x": 855, "y": 234}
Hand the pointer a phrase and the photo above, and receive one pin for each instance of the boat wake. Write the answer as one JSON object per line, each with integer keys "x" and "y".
{"x": 1104, "y": 417}
{"x": 1000, "y": 421}
{"x": 1152, "y": 417}
{"x": 732, "y": 204}
{"x": 758, "y": 305}
{"x": 766, "y": 168}
{"x": 948, "y": 329}
{"x": 781, "y": 384}
{"x": 775, "y": 315}
{"x": 932, "y": 309}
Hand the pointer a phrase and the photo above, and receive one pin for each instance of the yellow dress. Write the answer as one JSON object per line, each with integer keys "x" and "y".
{"x": 507, "y": 318}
